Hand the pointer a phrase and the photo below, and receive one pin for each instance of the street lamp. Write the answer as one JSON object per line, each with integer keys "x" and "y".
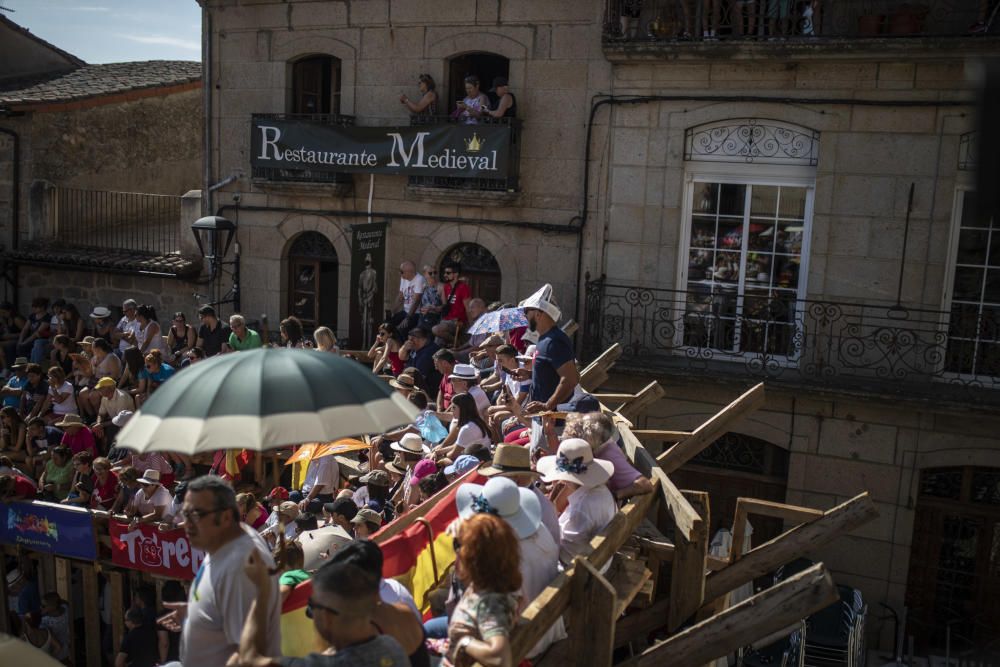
{"x": 214, "y": 234}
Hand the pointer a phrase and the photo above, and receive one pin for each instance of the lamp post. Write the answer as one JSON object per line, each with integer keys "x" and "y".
{"x": 214, "y": 234}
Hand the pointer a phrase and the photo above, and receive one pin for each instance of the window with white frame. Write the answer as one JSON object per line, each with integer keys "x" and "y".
{"x": 745, "y": 275}
{"x": 974, "y": 293}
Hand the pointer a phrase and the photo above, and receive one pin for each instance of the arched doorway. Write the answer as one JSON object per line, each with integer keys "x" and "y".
{"x": 734, "y": 466}
{"x": 479, "y": 268}
{"x": 312, "y": 281}
{"x": 482, "y": 64}
{"x": 955, "y": 560}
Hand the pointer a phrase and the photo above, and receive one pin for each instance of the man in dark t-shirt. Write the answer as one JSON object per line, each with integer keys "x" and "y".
{"x": 552, "y": 352}
{"x": 554, "y": 375}
{"x": 139, "y": 645}
{"x": 213, "y": 335}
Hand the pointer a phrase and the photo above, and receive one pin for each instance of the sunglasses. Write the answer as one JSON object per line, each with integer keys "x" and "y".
{"x": 310, "y": 605}
{"x": 456, "y": 544}
{"x": 432, "y": 273}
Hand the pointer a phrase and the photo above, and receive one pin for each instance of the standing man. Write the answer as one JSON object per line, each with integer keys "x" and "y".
{"x": 411, "y": 290}
{"x": 554, "y": 375}
{"x": 221, "y": 595}
{"x": 213, "y": 336}
{"x": 128, "y": 326}
{"x": 242, "y": 336}
{"x": 367, "y": 290}
{"x": 456, "y": 294}
{"x": 321, "y": 482}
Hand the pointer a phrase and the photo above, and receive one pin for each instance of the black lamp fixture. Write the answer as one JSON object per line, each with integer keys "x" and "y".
{"x": 214, "y": 234}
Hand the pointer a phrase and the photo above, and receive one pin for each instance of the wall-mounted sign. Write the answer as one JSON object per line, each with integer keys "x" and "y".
{"x": 49, "y": 528}
{"x": 456, "y": 150}
{"x": 367, "y": 279}
{"x": 164, "y": 552}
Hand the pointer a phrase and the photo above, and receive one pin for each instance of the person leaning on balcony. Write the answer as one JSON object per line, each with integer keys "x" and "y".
{"x": 475, "y": 103}
{"x": 427, "y": 105}
{"x": 242, "y": 336}
{"x": 506, "y": 106}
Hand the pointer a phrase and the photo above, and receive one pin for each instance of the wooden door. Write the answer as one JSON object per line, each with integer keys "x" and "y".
{"x": 304, "y": 291}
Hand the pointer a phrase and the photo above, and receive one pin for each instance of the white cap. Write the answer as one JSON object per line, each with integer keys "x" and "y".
{"x": 542, "y": 300}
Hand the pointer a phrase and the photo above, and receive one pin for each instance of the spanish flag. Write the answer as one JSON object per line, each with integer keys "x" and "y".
{"x": 417, "y": 556}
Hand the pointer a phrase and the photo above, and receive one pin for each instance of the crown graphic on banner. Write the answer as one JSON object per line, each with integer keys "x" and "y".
{"x": 475, "y": 144}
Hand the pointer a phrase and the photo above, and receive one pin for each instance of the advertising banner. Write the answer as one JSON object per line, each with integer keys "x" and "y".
{"x": 367, "y": 278}
{"x": 450, "y": 149}
{"x": 164, "y": 552}
{"x": 49, "y": 528}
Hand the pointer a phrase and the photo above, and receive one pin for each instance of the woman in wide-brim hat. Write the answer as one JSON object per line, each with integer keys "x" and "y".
{"x": 504, "y": 498}
{"x": 404, "y": 382}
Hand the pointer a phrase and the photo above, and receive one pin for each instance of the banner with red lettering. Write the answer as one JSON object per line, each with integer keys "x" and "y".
{"x": 163, "y": 552}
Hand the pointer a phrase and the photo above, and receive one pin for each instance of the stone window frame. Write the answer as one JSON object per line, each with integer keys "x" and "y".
{"x": 742, "y": 174}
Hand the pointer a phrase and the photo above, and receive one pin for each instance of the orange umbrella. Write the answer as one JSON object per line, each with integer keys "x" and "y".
{"x": 315, "y": 450}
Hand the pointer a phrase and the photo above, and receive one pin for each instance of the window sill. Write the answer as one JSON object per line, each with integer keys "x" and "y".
{"x": 450, "y": 195}
{"x": 326, "y": 189}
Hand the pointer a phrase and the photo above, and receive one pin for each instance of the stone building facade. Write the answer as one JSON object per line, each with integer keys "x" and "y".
{"x": 795, "y": 210}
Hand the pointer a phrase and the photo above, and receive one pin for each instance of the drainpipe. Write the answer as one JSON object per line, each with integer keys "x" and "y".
{"x": 15, "y": 204}
{"x": 206, "y": 76}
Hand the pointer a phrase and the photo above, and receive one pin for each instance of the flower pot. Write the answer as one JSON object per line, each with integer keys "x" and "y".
{"x": 870, "y": 25}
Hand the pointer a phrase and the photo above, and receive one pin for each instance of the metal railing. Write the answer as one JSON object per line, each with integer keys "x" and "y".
{"x": 284, "y": 175}
{"x": 699, "y": 20}
{"x": 854, "y": 347}
{"x": 509, "y": 183}
{"x": 135, "y": 222}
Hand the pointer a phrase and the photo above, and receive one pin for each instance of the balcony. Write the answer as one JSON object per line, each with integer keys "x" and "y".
{"x": 636, "y": 27}
{"x": 506, "y": 184}
{"x": 854, "y": 348}
{"x": 265, "y": 175}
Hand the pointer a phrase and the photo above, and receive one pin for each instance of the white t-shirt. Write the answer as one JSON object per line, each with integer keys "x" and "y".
{"x": 160, "y": 498}
{"x": 68, "y": 406}
{"x": 391, "y": 592}
{"x": 482, "y": 400}
{"x": 124, "y": 324}
{"x": 470, "y": 435}
{"x": 324, "y": 470}
{"x": 411, "y": 289}
{"x": 219, "y": 602}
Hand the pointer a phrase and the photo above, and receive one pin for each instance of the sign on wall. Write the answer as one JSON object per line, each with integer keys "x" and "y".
{"x": 49, "y": 528}
{"x": 164, "y": 552}
{"x": 454, "y": 150}
{"x": 367, "y": 280}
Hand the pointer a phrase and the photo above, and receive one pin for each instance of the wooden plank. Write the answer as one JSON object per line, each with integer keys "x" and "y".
{"x": 665, "y": 552}
{"x": 747, "y": 506}
{"x": 656, "y": 434}
{"x": 539, "y": 616}
{"x": 639, "y": 624}
{"x": 712, "y": 430}
{"x": 592, "y": 615}
{"x": 627, "y": 577}
{"x": 764, "y": 613}
{"x": 649, "y": 394}
{"x": 91, "y": 620}
{"x": 117, "y": 591}
{"x": 791, "y": 544}
{"x": 689, "y": 523}
{"x": 64, "y": 587}
{"x": 609, "y": 397}
{"x": 596, "y": 372}
{"x": 612, "y": 537}
{"x": 687, "y": 581}
{"x": 4, "y": 616}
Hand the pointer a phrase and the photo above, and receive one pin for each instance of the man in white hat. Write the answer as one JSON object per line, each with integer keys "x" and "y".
{"x": 411, "y": 449}
{"x": 520, "y": 508}
{"x": 554, "y": 374}
{"x": 590, "y": 504}
{"x": 465, "y": 380}
{"x": 152, "y": 503}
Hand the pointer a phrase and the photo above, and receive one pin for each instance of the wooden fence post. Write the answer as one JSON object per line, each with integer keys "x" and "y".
{"x": 591, "y": 616}
{"x": 117, "y": 605}
{"x": 64, "y": 587}
{"x": 91, "y": 619}
{"x": 687, "y": 582}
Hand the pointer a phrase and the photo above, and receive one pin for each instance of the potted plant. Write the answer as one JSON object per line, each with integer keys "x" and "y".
{"x": 631, "y": 9}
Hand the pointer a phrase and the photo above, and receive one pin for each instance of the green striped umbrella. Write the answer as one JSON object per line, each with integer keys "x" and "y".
{"x": 263, "y": 399}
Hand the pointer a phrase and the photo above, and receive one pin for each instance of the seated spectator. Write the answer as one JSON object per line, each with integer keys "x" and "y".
{"x": 421, "y": 469}
{"x": 16, "y": 487}
{"x": 62, "y": 347}
{"x": 128, "y": 486}
{"x": 506, "y": 106}
{"x": 342, "y": 607}
{"x": 456, "y": 294}
{"x": 411, "y": 289}
{"x": 484, "y": 358}
{"x": 139, "y": 645}
{"x": 60, "y": 399}
{"x": 181, "y": 337}
{"x": 475, "y": 104}
{"x": 152, "y": 376}
{"x": 467, "y": 428}
{"x": 325, "y": 340}
{"x": 376, "y": 487}
{"x": 488, "y": 563}
{"x": 366, "y": 523}
{"x": 149, "y": 461}
{"x": 385, "y": 350}
{"x": 511, "y": 388}
{"x": 125, "y": 331}
{"x": 590, "y": 505}
{"x": 463, "y": 464}
{"x": 305, "y": 522}
{"x": 428, "y": 102}
{"x": 554, "y": 374}
{"x": 242, "y": 336}
{"x": 101, "y": 324}
{"x": 465, "y": 379}
{"x": 152, "y": 503}
{"x": 13, "y": 435}
{"x": 403, "y": 383}
{"x": 340, "y": 512}
{"x": 295, "y": 560}
{"x": 281, "y": 521}
{"x": 56, "y": 620}
{"x": 431, "y": 300}
{"x": 418, "y": 351}
{"x": 105, "y": 485}
{"x": 41, "y": 437}
{"x": 322, "y": 480}
{"x": 194, "y": 355}
{"x": 76, "y": 435}
{"x": 292, "y": 334}
{"x": 14, "y": 387}
{"x": 514, "y": 461}
{"x": 39, "y": 637}
{"x": 213, "y": 335}
{"x": 600, "y": 433}
{"x": 71, "y": 323}
{"x": 148, "y": 337}
{"x": 57, "y": 478}
{"x": 34, "y": 392}
{"x": 112, "y": 402}
{"x": 252, "y": 512}
{"x": 83, "y": 480}
{"x": 104, "y": 364}
{"x": 444, "y": 363}
{"x": 34, "y": 339}
{"x": 11, "y": 323}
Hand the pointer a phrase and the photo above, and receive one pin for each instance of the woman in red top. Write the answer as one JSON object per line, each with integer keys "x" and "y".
{"x": 386, "y": 350}
{"x": 252, "y": 512}
{"x": 105, "y": 485}
{"x": 16, "y": 487}
{"x": 456, "y": 294}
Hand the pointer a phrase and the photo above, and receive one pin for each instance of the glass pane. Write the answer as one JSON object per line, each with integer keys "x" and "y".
{"x": 702, "y": 232}
{"x": 759, "y": 268}
{"x": 789, "y": 239}
{"x": 732, "y": 199}
{"x": 727, "y": 267}
{"x": 986, "y": 486}
{"x": 964, "y": 320}
{"x": 988, "y": 359}
{"x": 764, "y": 200}
{"x": 946, "y": 483}
{"x": 989, "y": 324}
{"x": 960, "y": 356}
{"x": 706, "y": 198}
{"x": 700, "y": 264}
{"x": 756, "y": 304}
{"x": 786, "y": 272}
{"x": 968, "y": 284}
{"x": 730, "y": 235}
{"x": 994, "y": 258}
{"x": 972, "y": 246}
{"x": 992, "y": 292}
{"x": 793, "y": 203}
{"x": 761, "y": 235}
{"x": 969, "y": 217}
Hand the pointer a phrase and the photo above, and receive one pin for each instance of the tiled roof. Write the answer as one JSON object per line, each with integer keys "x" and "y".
{"x": 98, "y": 259}
{"x": 97, "y": 80}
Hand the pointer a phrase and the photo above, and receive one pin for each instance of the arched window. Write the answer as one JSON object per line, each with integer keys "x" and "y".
{"x": 479, "y": 268}
{"x": 315, "y": 85}
{"x": 312, "y": 281}
{"x": 482, "y": 64}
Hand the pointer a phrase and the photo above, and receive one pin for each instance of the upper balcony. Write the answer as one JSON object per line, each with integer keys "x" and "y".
{"x": 748, "y": 28}
{"x": 855, "y": 348}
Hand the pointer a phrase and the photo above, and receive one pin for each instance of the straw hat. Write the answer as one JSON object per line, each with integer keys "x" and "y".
{"x": 19, "y": 363}
{"x": 100, "y": 313}
{"x": 509, "y": 460}
{"x": 411, "y": 443}
{"x": 150, "y": 477}
{"x": 503, "y": 497}
{"x": 396, "y": 466}
{"x": 70, "y": 421}
{"x": 493, "y": 340}
{"x": 542, "y": 300}
{"x": 403, "y": 381}
{"x": 87, "y": 340}
{"x": 375, "y": 478}
{"x": 575, "y": 462}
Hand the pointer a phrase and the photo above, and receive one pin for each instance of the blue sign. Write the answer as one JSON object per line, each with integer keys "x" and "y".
{"x": 49, "y": 528}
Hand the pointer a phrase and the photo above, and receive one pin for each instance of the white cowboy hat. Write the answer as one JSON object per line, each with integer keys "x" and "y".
{"x": 411, "y": 443}
{"x": 542, "y": 300}
{"x": 151, "y": 476}
{"x": 464, "y": 372}
{"x": 529, "y": 353}
{"x": 503, "y": 497}
{"x": 575, "y": 462}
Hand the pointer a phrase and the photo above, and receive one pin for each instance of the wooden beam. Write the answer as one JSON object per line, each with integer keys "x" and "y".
{"x": 649, "y": 394}
{"x": 117, "y": 591}
{"x": 596, "y": 372}
{"x": 638, "y": 624}
{"x": 665, "y": 552}
{"x": 4, "y": 616}
{"x": 659, "y": 434}
{"x": 627, "y": 577}
{"x": 91, "y": 620}
{"x": 609, "y": 397}
{"x": 689, "y": 523}
{"x": 612, "y": 537}
{"x": 764, "y": 613}
{"x": 712, "y": 430}
{"x": 592, "y": 614}
{"x": 64, "y": 587}
{"x": 687, "y": 580}
{"x": 792, "y": 544}
{"x": 747, "y": 506}
{"x": 539, "y": 616}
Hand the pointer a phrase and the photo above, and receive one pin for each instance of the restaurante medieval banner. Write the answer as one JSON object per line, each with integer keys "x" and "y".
{"x": 456, "y": 150}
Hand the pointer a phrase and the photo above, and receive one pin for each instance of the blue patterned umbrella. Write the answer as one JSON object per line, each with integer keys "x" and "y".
{"x": 503, "y": 319}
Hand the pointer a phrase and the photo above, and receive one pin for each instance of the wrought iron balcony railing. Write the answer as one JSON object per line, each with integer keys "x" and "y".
{"x": 508, "y": 183}
{"x": 634, "y": 21}
{"x": 304, "y": 175}
{"x": 132, "y": 222}
{"x": 827, "y": 345}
